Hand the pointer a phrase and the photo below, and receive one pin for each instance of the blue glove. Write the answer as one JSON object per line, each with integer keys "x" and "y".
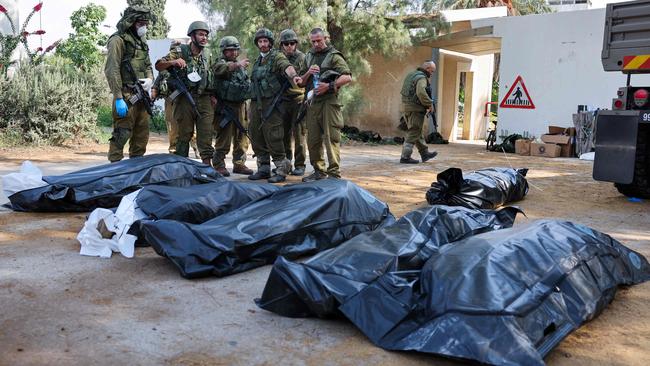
{"x": 121, "y": 108}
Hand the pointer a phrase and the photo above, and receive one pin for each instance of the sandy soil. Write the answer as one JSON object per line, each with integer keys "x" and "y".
{"x": 61, "y": 308}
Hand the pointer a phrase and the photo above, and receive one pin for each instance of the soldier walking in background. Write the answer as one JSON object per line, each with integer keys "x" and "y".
{"x": 127, "y": 64}
{"x": 416, "y": 100}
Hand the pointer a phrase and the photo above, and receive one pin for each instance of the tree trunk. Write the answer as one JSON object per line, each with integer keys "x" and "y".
{"x": 334, "y": 29}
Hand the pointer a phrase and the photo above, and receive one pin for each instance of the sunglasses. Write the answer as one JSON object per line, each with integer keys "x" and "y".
{"x": 289, "y": 43}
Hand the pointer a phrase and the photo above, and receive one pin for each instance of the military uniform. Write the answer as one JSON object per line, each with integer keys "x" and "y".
{"x": 172, "y": 130}
{"x": 268, "y": 76}
{"x": 201, "y": 91}
{"x": 232, "y": 89}
{"x": 291, "y": 104}
{"x": 415, "y": 102}
{"x": 324, "y": 118}
{"x": 126, "y": 46}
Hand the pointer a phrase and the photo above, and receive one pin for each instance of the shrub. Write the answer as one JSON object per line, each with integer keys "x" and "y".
{"x": 105, "y": 116}
{"x": 52, "y": 103}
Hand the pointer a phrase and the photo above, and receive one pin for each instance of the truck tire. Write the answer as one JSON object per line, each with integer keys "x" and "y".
{"x": 640, "y": 186}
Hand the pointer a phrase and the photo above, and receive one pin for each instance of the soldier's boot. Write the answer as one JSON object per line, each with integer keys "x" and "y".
{"x": 223, "y": 171}
{"x": 263, "y": 172}
{"x": 407, "y": 150}
{"x": 207, "y": 161}
{"x": 427, "y": 155}
{"x": 316, "y": 175}
{"x": 219, "y": 165}
{"x": 182, "y": 148}
{"x": 242, "y": 169}
{"x": 282, "y": 169}
{"x": 298, "y": 171}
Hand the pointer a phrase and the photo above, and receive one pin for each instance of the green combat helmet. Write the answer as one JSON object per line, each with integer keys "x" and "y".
{"x": 288, "y": 35}
{"x": 229, "y": 43}
{"x": 264, "y": 33}
{"x": 197, "y": 25}
{"x": 132, "y": 14}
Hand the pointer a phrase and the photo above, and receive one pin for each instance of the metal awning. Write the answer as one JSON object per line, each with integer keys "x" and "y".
{"x": 476, "y": 41}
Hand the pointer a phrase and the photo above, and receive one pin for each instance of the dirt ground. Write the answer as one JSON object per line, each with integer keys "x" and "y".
{"x": 57, "y": 307}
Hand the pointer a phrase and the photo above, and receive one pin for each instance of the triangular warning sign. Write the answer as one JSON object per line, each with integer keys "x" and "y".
{"x": 517, "y": 96}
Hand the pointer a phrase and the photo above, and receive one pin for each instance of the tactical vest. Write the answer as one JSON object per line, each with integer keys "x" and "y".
{"x": 136, "y": 51}
{"x": 266, "y": 84}
{"x": 236, "y": 89}
{"x": 324, "y": 61}
{"x": 201, "y": 67}
{"x": 408, "y": 92}
{"x": 296, "y": 59}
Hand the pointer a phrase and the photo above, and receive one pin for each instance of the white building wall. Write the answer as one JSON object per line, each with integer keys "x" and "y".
{"x": 558, "y": 57}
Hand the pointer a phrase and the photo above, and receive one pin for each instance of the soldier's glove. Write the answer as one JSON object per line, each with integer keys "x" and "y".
{"x": 121, "y": 108}
{"x": 146, "y": 83}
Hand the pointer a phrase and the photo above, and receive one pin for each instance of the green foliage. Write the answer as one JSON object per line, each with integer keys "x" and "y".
{"x": 105, "y": 116}
{"x": 51, "y": 103}
{"x": 521, "y": 7}
{"x": 357, "y": 28}
{"x": 81, "y": 47}
{"x": 157, "y": 122}
{"x": 525, "y": 7}
{"x": 158, "y": 28}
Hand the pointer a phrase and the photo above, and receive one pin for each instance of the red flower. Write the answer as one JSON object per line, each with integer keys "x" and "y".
{"x": 39, "y": 49}
{"x": 25, "y": 34}
{"x": 38, "y": 6}
{"x": 2, "y": 9}
{"x": 40, "y": 32}
{"x": 52, "y": 46}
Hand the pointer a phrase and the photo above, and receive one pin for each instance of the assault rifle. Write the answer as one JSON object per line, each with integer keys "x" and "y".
{"x": 228, "y": 115}
{"x": 179, "y": 88}
{"x": 276, "y": 100}
{"x": 140, "y": 93}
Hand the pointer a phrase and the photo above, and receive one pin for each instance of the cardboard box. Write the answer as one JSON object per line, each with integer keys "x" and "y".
{"x": 563, "y": 136}
{"x": 556, "y": 139}
{"x": 557, "y": 130}
{"x": 522, "y": 147}
{"x": 547, "y": 150}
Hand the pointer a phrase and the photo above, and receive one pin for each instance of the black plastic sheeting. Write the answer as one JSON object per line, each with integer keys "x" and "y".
{"x": 201, "y": 203}
{"x": 319, "y": 285}
{"x": 503, "y": 297}
{"x": 486, "y": 188}
{"x": 105, "y": 185}
{"x": 296, "y": 220}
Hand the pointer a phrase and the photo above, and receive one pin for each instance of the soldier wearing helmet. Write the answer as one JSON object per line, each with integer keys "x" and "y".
{"x": 130, "y": 118}
{"x": 192, "y": 65}
{"x": 293, "y": 100}
{"x": 232, "y": 87}
{"x": 326, "y": 72}
{"x": 416, "y": 101}
{"x": 272, "y": 74}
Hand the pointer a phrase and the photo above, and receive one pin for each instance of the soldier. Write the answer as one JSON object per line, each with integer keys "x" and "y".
{"x": 293, "y": 98}
{"x": 194, "y": 71}
{"x": 130, "y": 117}
{"x": 160, "y": 89}
{"x": 271, "y": 75}
{"x": 415, "y": 103}
{"x": 328, "y": 72}
{"x": 232, "y": 86}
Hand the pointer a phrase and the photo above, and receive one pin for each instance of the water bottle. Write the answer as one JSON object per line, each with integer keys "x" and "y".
{"x": 315, "y": 79}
